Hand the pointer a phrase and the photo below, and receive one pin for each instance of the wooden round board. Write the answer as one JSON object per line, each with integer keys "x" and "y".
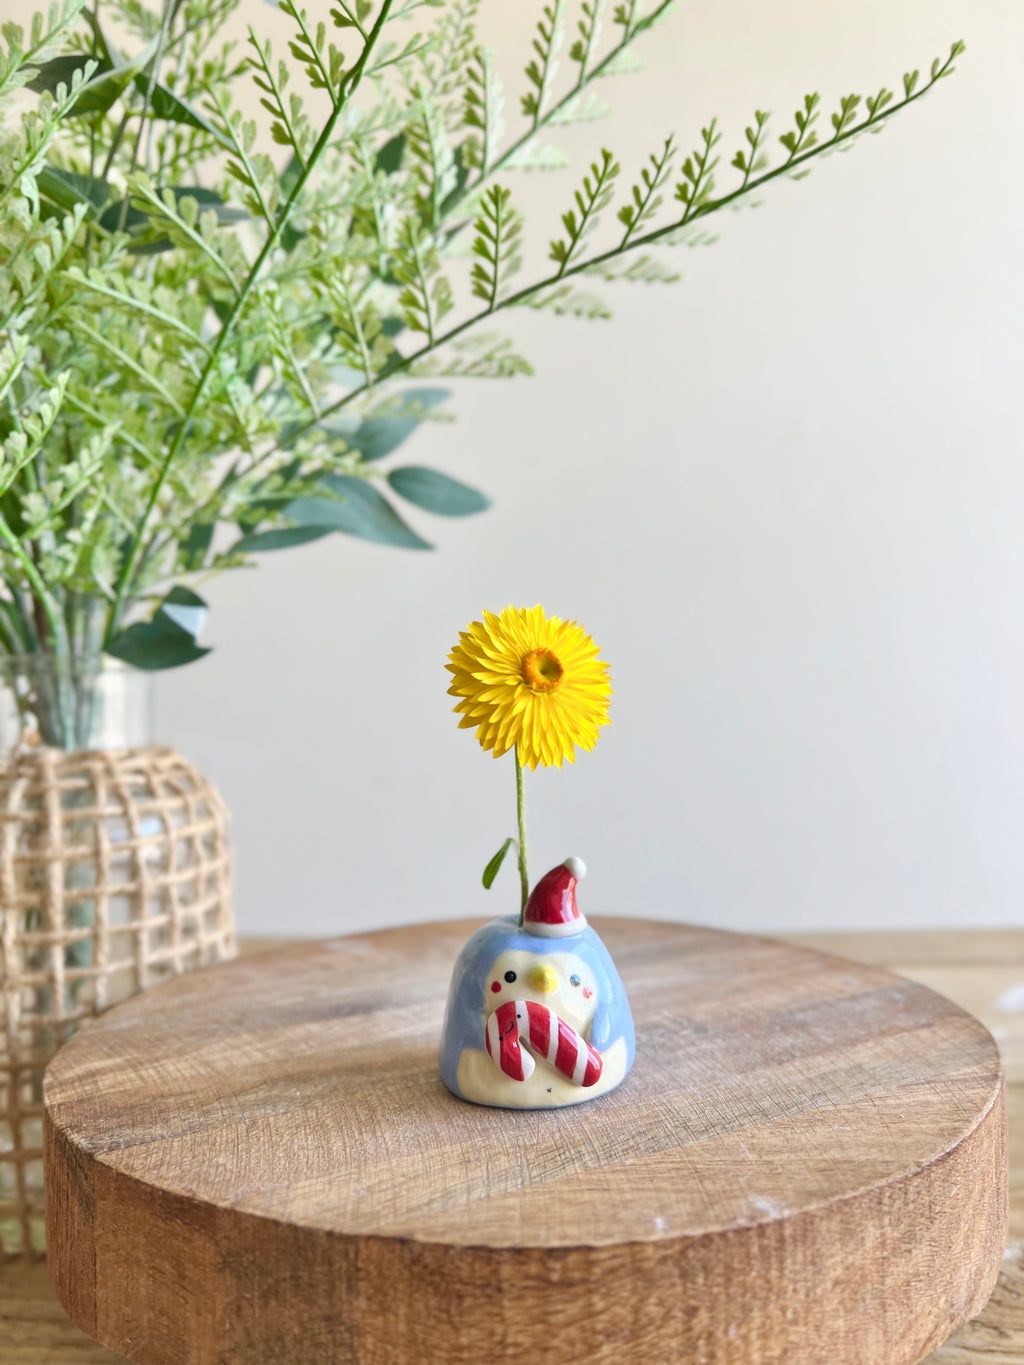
{"x": 259, "y": 1163}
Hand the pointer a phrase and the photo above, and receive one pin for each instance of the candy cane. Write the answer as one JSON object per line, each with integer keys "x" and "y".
{"x": 541, "y": 1029}
{"x": 503, "y": 1042}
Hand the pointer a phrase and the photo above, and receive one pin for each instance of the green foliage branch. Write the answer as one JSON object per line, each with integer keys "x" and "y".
{"x": 208, "y": 351}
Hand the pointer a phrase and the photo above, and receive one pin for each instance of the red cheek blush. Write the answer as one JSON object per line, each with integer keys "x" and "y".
{"x": 587, "y": 992}
{"x": 495, "y": 985}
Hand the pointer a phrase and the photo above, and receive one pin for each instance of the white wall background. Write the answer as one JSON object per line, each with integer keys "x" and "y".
{"x": 785, "y": 496}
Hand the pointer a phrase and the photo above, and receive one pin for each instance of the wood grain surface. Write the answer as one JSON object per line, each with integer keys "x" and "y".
{"x": 807, "y": 1163}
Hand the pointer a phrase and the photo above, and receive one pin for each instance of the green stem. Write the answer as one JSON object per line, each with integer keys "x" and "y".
{"x": 115, "y": 143}
{"x": 50, "y": 619}
{"x": 524, "y": 880}
{"x": 146, "y": 130}
{"x": 131, "y": 561}
{"x": 43, "y": 595}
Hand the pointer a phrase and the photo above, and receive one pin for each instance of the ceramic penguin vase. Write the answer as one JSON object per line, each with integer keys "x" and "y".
{"x": 537, "y": 1017}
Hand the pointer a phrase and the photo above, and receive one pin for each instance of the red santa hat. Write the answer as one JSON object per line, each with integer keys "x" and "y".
{"x": 551, "y": 911}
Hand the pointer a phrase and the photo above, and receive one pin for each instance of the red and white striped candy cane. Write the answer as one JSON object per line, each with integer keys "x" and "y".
{"x": 541, "y": 1029}
{"x": 503, "y": 1042}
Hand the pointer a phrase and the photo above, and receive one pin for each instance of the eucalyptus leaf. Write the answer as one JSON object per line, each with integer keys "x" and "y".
{"x": 389, "y": 158}
{"x": 152, "y": 646}
{"x": 290, "y": 174}
{"x": 494, "y": 866}
{"x": 168, "y": 639}
{"x": 134, "y": 220}
{"x": 395, "y": 361}
{"x": 379, "y": 436}
{"x": 67, "y": 189}
{"x": 424, "y": 398}
{"x": 105, "y": 86}
{"x": 61, "y": 71}
{"x": 279, "y": 538}
{"x": 186, "y": 609}
{"x": 461, "y": 179}
{"x": 357, "y": 509}
{"x": 127, "y": 218}
{"x": 291, "y": 236}
{"x": 436, "y": 492}
{"x": 166, "y": 105}
{"x": 196, "y": 545}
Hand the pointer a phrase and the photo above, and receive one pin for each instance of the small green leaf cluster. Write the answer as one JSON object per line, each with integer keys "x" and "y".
{"x": 596, "y": 194}
{"x": 646, "y": 199}
{"x": 211, "y": 327}
{"x": 498, "y": 228}
{"x": 698, "y": 182}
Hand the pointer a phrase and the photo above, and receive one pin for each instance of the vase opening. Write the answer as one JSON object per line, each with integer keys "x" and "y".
{"x": 77, "y": 701}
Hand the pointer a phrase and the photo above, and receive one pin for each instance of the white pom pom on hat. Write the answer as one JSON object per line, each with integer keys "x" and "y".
{"x": 551, "y": 911}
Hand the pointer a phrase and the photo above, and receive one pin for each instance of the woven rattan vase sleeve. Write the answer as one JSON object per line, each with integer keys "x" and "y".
{"x": 115, "y": 874}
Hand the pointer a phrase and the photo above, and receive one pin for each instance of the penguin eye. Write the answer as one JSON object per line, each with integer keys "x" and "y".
{"x": 510, "y": 977}
{"x": 574, "y": 980}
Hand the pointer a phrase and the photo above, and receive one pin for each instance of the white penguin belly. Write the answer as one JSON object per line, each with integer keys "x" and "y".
{"x": 480, "y": 1080}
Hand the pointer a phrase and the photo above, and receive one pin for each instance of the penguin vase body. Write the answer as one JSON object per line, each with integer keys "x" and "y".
{"x": 537, "y": 1016}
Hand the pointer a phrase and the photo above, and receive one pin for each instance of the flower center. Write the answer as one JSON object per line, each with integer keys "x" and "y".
{"x": 542, "y": 670}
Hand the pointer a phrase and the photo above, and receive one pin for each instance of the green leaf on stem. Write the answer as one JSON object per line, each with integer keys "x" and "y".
{"x": 278, "y": 538}
{"x": 356, "y": 509}
{"x": 134, "y": 220}
{"x": 67, "y": 189}
{"x": 165, "y": 105}
{"x": 389, "y": 158}
{"x": 376, "y": 437}
{"x": 106, "y": 84}
{"x": 379, "y": 436}
{"x": 494, "y": 866}
{"x": 436, "y": 492}
{"x": 169, "y": 638}
{"x": 196, "y": 545}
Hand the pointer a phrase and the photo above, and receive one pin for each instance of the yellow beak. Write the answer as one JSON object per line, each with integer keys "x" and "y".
{"x": 543, "y": 980}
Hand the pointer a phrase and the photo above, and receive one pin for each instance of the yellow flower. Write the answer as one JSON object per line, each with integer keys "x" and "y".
{"x": 531, "y": 682}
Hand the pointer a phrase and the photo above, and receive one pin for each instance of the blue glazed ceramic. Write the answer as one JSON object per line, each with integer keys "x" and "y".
{"x": 537, "y": 1016}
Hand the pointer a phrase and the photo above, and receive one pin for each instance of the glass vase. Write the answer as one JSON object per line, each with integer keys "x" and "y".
{"x": 73, "y": 702}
